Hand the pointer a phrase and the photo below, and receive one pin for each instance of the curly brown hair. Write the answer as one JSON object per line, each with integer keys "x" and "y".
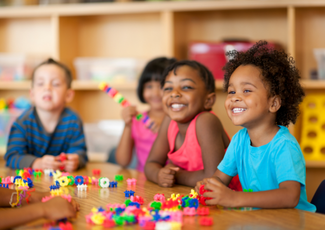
{"x": 279, "y": 74}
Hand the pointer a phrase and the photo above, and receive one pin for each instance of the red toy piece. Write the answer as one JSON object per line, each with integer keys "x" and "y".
{"x": 202, "y": 190}
{"x": 109, "y": 223}
{"x": 96, "y": 172}
{"x": 206, "y": 221}
{"x": 86, "y": 179}
{"x": 66, "y": 226}
{"x": 26, "y": 175}
{"x": 63, "y": 157}
{"x": 149, "y": 225}
{"x": 203, "y": 211}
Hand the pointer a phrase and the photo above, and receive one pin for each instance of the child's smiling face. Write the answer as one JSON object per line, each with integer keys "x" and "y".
{"x": 185, "y": 94}
{"x": 248, "y": 103}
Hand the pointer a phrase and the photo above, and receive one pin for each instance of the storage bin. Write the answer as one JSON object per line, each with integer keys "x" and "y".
{"x": 7, "y": 118}
{"x": 16, "y": 67}
{"x": 102, "y": 137}
{"x": 320, "y": 58}
{"x": 117, "y": 70}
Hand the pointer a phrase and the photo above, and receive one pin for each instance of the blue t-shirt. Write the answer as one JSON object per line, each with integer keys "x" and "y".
{"x": 265, "y": 167}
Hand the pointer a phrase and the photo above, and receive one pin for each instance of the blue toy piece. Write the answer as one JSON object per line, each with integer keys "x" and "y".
{"x": 136, "y": 204}
{"x": 132, "y": 193}
{"x": 4, "y": 185}
{"x": 319, "y": 198}
{"x": 57, "y": 184}
{"x": 17, "y": 177}
{"x": 165, "y": 218}
{"x": 127, "y": 193}
{"x": 79, "y": 180}
{"x": 30, "y": 183}
{"x": 118, "y": 211}
{"x": 100, "y": 209}
{"x": 112, "y": 184}
{"x": 193, "y": 203}
{"x": 156, "y": 217}
{"x": 51, "y": 174}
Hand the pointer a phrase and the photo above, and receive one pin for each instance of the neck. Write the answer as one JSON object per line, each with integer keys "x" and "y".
{"x": 49, "y": 119}
{"x": 263, "y": 134}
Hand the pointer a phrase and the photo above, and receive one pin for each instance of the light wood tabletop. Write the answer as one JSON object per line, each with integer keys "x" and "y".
{"x": 223, "y": 219}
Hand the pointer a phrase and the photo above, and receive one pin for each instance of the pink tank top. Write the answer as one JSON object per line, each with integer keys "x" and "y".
{"x": 189, "y": 155}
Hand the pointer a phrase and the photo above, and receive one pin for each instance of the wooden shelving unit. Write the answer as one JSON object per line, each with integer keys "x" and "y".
{"x": 150, "y": 29}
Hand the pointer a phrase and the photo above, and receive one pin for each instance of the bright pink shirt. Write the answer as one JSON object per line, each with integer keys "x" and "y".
{"x": 189, "y": 155}
{"x": 143, "y": 141}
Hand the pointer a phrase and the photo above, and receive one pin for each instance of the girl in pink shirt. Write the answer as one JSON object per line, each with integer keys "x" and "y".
{"x": 191, "y": 137}
{"x": 136, "y": 134}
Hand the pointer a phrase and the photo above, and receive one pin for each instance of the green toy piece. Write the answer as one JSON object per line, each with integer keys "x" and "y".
{"x": 118, "y": 177}
{"x": 138, "y": 117}
{"x": 156, "y": 205}
{"x": 127, "y": 202}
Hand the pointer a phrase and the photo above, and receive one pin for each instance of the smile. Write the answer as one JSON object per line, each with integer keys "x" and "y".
{"x": 177, "y": 106}
{"x": 238, "y": 110}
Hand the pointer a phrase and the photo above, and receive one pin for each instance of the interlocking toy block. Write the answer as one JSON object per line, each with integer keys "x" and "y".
{"x": 206, "y": 221}
{"x": 113, "y": 184}
{"x": 131, "y": 181}
{"x": 204, "y": 211}
{"x": 313, "y": 127}
{"x": 159, "y": 197}
{"x": 189, "y": 211}
{"x": 118, "y": 177}
{"x": 96, "y": 172}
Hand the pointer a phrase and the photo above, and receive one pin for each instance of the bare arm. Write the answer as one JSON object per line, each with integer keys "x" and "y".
{"x": 209, "y": 133}
{"x": 158, "y": 154}
{"x": 286, "y": 196}
{"x": 125, "y": 147}
{"x": 54, "y": 209}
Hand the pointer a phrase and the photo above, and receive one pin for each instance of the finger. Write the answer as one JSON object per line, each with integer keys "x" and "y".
{"x": 209, "y": 194}
{"x": 72, "y": 156}
{"x": 169, "y": 177}
{"x": 175, "y": 169}
{"x": 168, "y": 171}
{"x": 211, "y": 202}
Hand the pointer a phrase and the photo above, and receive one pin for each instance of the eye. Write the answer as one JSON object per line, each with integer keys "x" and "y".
{"x": 167, "y": 89}
{"x": 247, "y": 91}
{"x": 148, "y": 87}
{"x": 187, "y": 87}
{"x": 231, "y": 92}
{"x": 39, "y": 83}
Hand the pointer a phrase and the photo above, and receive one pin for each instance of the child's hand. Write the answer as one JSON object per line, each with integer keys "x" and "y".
{"x": 72, "y": 162}
{"x": 221, "y": 194}
{"x": 166, "y": 175}
{"x": 58, "y": 208}
{"x": 36, "y": 197}
{"x": 127, "y": 114}
{"x": 198, "y": 185}
{"x": 155, "y": 127}
{"x": 47, "y": 162}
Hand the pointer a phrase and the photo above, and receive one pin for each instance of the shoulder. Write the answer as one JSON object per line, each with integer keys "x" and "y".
{"x": 208, "y": 120}
{"x": 285, "y": 142}
{"x": 26, "y": 117}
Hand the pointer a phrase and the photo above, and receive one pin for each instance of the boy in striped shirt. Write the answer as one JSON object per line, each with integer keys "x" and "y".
{"x": 46, "y": 130}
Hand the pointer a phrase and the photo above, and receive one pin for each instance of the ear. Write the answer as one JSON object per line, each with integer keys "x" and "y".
{"x": 209, "y": 101}
{"x": 32, "y": 95}
{"x": 275, "y": 104}
{"x": 69, "y": 96}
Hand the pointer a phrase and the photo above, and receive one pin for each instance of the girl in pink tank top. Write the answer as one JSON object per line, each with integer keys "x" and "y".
{"x": 191, "y": 137}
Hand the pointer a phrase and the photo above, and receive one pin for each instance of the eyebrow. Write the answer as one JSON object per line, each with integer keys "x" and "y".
{"x": 188, "y": 79}
{"x": 244, "y": 83}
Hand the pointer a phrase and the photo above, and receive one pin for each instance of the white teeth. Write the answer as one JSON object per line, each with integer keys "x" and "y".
{"x": 238, "y": 110}
{"x": 177, "y": 106}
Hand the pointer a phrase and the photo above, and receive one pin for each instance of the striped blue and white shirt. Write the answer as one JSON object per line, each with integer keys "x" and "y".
{"x": 28, "y": 139}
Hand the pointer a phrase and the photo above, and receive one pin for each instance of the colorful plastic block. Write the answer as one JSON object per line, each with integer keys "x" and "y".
{"x": 206, "y": 221}
{"x": 104, "y": 182}
{"x": 189, "y": 211}
{"x": 204, "y": 211}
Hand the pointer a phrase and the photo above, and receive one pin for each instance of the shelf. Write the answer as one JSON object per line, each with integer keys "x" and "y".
{"x": 315, "y": 164}
{"x": 76, "y": 85}
{"x": 91, "y": 85}
{"x": 147, "y": 7}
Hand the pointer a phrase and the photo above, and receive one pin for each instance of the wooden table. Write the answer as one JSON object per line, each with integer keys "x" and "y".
{"x": 223, "y": 219}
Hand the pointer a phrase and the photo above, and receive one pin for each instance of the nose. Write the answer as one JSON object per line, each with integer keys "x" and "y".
{"x": 175, "y": 93}
{"x": 235, "y": 98}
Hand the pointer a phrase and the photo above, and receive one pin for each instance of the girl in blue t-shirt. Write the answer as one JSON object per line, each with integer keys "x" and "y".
{"x": 263, "y": 97}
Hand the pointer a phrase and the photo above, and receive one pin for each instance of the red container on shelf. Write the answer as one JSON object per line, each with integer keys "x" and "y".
{"x": 213, "y": 54}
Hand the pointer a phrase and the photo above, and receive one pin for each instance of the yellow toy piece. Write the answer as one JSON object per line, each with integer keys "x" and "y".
{"x": 174, "y": 197}
{"x": 175, "y": 225}
{"x": 98, "y": 218}
{"x": 193, "y": 193}
{"x": 57, "y": 174}
{"x": 102, "y": 85}
{"x": 313, "y": 127}
{"x": 56, "y": 192}
{"x": 2, "y": 103}
{"x": 94, "y": 210}
{"x": 64, "y": 181}
{"x": 19, "y": 182}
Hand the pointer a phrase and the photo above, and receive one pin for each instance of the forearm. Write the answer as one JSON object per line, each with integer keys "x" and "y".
{"x": 24, "y": 214}
{"x": 190, "y": 178}
{"x": 24, "y": 161}
{"x": 151, "y": 171}
{"x": 277, "y": 198}
{"x": 124, "y": 149}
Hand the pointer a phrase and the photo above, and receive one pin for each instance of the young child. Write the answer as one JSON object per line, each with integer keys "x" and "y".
{"x": 54, "y": 209}
{"x": 191, "y": 137}
{"x": 135, "y": 133}
{"x": 42, "y": 133}
{"x": 263, "y": 97}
